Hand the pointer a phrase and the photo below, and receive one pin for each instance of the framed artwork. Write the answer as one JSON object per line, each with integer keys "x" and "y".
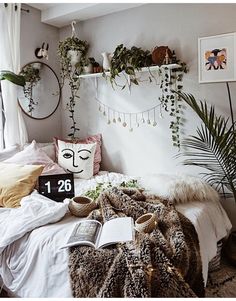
{"x": 216, "y": 58}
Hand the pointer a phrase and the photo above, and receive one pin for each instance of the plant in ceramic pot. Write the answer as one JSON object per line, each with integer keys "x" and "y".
{"x": 128, "y": 60}
{"x": 72, "y": 50}
{"x": 88, "y": 64}
{"x": 72, "y": 53}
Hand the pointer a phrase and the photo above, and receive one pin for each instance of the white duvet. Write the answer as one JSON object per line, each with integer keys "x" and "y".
{"x": 32, "y": 263}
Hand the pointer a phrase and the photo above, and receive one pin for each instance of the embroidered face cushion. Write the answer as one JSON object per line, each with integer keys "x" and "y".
{"x": 90, "y": 139}
{"x": 77, "y": 158}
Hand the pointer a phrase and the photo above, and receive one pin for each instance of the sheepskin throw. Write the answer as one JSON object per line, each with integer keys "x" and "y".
{"x": 179, "y": 188}
{"x": 164, "y": 263}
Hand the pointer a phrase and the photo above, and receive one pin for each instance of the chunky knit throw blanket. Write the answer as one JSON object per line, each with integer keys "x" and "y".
{"x": 164, "y": 263}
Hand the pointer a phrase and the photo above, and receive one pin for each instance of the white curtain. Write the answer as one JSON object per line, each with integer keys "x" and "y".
{"x": 14, "y": 130}
{"x": 1, "y": 123}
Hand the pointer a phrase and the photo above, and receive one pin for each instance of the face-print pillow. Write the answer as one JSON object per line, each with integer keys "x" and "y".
{"x": 77, "y": 158}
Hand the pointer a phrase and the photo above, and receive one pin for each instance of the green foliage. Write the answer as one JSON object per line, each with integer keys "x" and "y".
{"x": 12, "y": 77}
{"x": 72, "y": 73}
{"x": 214, "y": 146}
{"x": 170, "y": 101}
{"x": 129, "y": 60}
{"x": 30, "y": 74}
{"x": 94, "y": 193}
{"x": 32, "y": 77}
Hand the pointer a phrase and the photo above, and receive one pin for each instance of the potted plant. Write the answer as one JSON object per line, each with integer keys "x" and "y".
{"x": 128, "y": 60}
{"x": 72, "y": 50}
{"x": 72, "y": 53}
{"x": 214, "y": 149}
{"x": 88, "y": 65}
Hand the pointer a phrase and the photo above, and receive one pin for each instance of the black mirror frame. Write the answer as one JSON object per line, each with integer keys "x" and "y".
{"x": 59, "y": 98}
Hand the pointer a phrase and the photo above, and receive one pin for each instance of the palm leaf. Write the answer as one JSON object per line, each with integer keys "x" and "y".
{"x": 213, "y": 147}
{"x": 12, "y": 77}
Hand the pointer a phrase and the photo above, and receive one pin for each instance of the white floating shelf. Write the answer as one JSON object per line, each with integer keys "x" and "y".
{"x": 144, "y": 69}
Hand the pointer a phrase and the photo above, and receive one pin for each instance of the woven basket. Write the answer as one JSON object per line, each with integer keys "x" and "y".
{"x": 146, "y": 223}
{"x": 81, "y": 206}
{"x": 214, "y": 264}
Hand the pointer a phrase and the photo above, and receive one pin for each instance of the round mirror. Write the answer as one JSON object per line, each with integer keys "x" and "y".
{"x": 41, "y": 94}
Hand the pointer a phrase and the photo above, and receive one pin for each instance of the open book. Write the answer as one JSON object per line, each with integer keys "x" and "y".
{"x": 93, "y": 233}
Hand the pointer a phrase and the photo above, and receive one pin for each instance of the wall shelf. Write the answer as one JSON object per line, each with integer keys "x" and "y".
{"x": 144, "y": 69}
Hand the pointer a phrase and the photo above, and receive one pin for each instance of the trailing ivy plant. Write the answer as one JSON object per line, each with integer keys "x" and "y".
{"x": 171, "y": 102}
{"x": 71, "y": 73}
{"x": 128, "y": 60}
{"x": 32, "y": 77}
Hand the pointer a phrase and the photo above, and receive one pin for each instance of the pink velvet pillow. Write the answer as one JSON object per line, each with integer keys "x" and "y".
{"x": 91, "y": 139}
{"x": 32, "y": 155}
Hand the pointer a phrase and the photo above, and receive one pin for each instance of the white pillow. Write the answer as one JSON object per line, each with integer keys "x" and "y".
{"x": 179, "y": 188}
{"x": 47, "y": 147}
{"x": 77, "y": 158}
{"x": 32, "y": 155}
{"x": 9, "y": 152}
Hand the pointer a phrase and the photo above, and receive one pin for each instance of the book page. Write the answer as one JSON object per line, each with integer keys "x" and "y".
{"x": 85, "y": 232}
{"x": 119, "y": 229}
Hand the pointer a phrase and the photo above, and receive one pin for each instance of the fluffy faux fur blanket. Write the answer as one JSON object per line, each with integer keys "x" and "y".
{"x": 164, "y": 263}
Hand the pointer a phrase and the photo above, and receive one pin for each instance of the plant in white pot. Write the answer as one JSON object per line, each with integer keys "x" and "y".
{"x": 72, "y": 53}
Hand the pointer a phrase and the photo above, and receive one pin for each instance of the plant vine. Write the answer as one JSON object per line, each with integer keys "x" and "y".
{"x": 32, "y": 77}
{"x": 171, "y": 102}
{"x": 126, "y": 61}
{"x": 71, "y": 72}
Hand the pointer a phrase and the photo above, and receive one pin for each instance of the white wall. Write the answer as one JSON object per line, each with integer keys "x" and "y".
{"x": 33, "y": 34}
{"x": 148, "y": 149}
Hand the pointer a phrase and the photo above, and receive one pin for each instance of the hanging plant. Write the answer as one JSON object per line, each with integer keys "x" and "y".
{"x": 72, "y": 53}
{"x": 171, "y": 102}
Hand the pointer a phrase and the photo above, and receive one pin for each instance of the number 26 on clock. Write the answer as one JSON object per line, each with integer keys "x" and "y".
{"x": 63, "y": 185}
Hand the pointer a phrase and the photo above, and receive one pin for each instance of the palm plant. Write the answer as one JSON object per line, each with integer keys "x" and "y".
{"x": 12, "y": 77}
{"x": 213, "y": 147}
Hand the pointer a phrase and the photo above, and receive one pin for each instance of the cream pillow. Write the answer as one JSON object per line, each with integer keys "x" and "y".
{"x": 32, "y": 155}
{"x": 77, "y": 158}
{"x": 17, "y": 181}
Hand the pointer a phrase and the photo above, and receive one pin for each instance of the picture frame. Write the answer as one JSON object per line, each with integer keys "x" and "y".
{"x": 216, "y": 58}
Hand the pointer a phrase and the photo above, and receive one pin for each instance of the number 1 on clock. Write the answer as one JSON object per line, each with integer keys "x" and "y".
{"x": 48, "y": 184}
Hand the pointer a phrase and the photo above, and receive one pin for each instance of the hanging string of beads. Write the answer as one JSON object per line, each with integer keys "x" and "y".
{"x": 128, "y": 119}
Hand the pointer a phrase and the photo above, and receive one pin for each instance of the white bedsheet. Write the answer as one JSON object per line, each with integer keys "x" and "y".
{"x": 35, "y": 266}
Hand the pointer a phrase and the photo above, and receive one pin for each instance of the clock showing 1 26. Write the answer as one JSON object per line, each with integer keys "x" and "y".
{"x": 57, "y": 187}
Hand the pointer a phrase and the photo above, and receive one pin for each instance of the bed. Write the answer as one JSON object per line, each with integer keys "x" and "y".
{"x": 33, "y": 265}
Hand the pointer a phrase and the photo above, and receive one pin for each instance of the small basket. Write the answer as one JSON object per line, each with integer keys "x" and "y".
{"x": 146, "y": 223}
{"x": 81, "y": 206}
{"x": 214, "y": 264}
